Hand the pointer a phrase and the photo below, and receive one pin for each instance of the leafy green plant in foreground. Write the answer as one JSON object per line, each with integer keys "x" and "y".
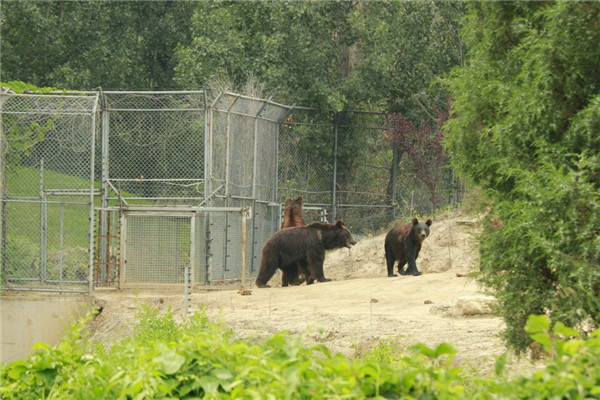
{"x": 197, "y": 359}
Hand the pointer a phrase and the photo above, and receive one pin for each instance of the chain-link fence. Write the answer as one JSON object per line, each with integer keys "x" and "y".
{"x": 47, "y": 192}
{"x": 343, "y": 165}
{"x": 77, "y": 168}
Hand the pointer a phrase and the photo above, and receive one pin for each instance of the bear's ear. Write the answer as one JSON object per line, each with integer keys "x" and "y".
{"x": 340, "y": 223}
{"x": 429, "y": 222}
{"x": 299, "y": 200}
{"x": 415, "y": 221}
{"x": 287, "y": 201}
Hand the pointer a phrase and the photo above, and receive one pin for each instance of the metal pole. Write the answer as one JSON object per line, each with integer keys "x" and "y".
{"x": 254, "y": 243}
{"x": 105, "y": 178}
{"x": 208, "y": 123}
{"x": 394, "y": 178}
{"x": 227, "y": 161}
{"x": 193, "y": 247}
{"x": 60, "y": 249}
{"x": 274, "y": 197}
{"x": 91, "y": 199}
{"x": 244, "y": 217}
{"x": 123, "y": 247}
{"x": 3, "y": 185}
{"x": 42, "y": 227}
{"x": 333, "y": 192}
{"x": 208, "y": 140}
{"x": 186, "y": 282}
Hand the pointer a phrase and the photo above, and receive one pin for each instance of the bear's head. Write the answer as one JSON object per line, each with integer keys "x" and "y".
{"x": 293, "y": 203}
{"x": 343, "y": 236}
{"x": 420, "y": 230}
{"x": 292, "y": 213}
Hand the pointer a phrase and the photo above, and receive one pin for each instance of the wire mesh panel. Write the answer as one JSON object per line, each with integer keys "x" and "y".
{"x": 217, "y": 261}
{"x": 244, "y": 147}
{"x": 158, "y": 244}
{"x": 345, "y": 163}
{"x": 305, "y": 159}
{"x": 157, "y": 248}
{"x": 156, "y": 145}
{"x": 266, "y": 160}
{"x": 264, "y": 223}
{"x": 46, "y": 175}
{"x": 200, "y": 256}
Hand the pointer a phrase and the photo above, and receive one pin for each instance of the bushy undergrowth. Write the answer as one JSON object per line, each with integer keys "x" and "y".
{"x": 197, "y": 359}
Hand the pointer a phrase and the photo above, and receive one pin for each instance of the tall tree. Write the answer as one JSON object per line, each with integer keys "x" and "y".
{"x": 87, "y": 44}
{"x": 525, "y": 127}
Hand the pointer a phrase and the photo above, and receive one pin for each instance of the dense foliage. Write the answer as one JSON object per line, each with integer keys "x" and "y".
{"x": 525, "y": 127}
{"x": 422, "y": 144}
{"x": 83, "y": 45}
{"x": 197, "y": 359}
{"x": 334, "y": 54}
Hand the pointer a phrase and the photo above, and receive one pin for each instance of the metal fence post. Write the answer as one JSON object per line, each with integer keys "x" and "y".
{"x": 394, "y": 178}
{"x": 193, "y": 248}
{"x": 42, "y": 270}
{"x": 123, "y": 248}
{"x": 334, "y": 190}
{"x": 3, "y": 182}
{"x": 91, "y": 198}
{"x": 103, "y": 262}
{"x": 244, "y": 217}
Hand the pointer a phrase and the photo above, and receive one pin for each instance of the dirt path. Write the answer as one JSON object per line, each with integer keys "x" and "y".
{"x": 359, "y": 308}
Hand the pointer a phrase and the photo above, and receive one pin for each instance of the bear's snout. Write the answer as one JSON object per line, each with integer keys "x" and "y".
{"x": 421, "y": 235}
{"x": 350, "y": 242}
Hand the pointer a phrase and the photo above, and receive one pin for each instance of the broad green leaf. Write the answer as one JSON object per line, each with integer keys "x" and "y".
{"x": 560, "y": 329}
{"x": 537, "y": 323}
{"x": 543, "y": 339}
{"x": 170, "y": 361}
{"x": 444, "y": 348}
{"x": 209, "y": 383}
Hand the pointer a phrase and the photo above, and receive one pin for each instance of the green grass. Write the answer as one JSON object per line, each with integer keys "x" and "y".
{"x": 23, "y": 219}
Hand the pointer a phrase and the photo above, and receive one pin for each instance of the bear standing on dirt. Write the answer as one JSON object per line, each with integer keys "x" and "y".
{"x": 305, "y": 244}
{"x": 403, "y": 244}
{"x": 292, "y": 216}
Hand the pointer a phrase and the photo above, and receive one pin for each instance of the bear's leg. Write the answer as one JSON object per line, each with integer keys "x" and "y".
{"x": 390, "y": 260}
{"x": 268, "y": 266}
{"x": 412, "y": 262}
{"x": 303, "y": 274}
{"x": 315, "y": 267}
{"x": 284, "y": 279}
{"x": 401, "y": 269}
{"x": 289, "y": 275}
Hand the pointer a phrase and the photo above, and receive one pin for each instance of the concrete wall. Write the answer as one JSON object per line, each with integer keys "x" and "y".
{"x": 29, "y": 318}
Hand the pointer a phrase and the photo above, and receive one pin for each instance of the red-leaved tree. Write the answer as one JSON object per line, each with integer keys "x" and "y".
{"x": 422, "y": 144}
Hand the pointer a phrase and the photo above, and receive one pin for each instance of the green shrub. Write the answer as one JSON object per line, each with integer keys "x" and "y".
{"x": 197, "y": 359}
{"x": 526, "y": 117}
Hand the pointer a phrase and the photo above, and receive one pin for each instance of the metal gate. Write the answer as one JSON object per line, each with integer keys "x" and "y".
{"x": 158, "y": 243}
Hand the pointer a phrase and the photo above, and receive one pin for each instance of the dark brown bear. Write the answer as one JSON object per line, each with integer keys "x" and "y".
{"x": 292, "y": 216}
{"x": 305, "y": 244}
{"x": 403, "y": 244}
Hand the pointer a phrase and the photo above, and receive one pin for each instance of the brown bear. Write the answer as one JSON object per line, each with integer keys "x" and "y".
{"x": 292, "y": 213}
{"x": 403, "y": 244}
{"x": 292, "y": 216}
{"x": 306, "y": 244}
